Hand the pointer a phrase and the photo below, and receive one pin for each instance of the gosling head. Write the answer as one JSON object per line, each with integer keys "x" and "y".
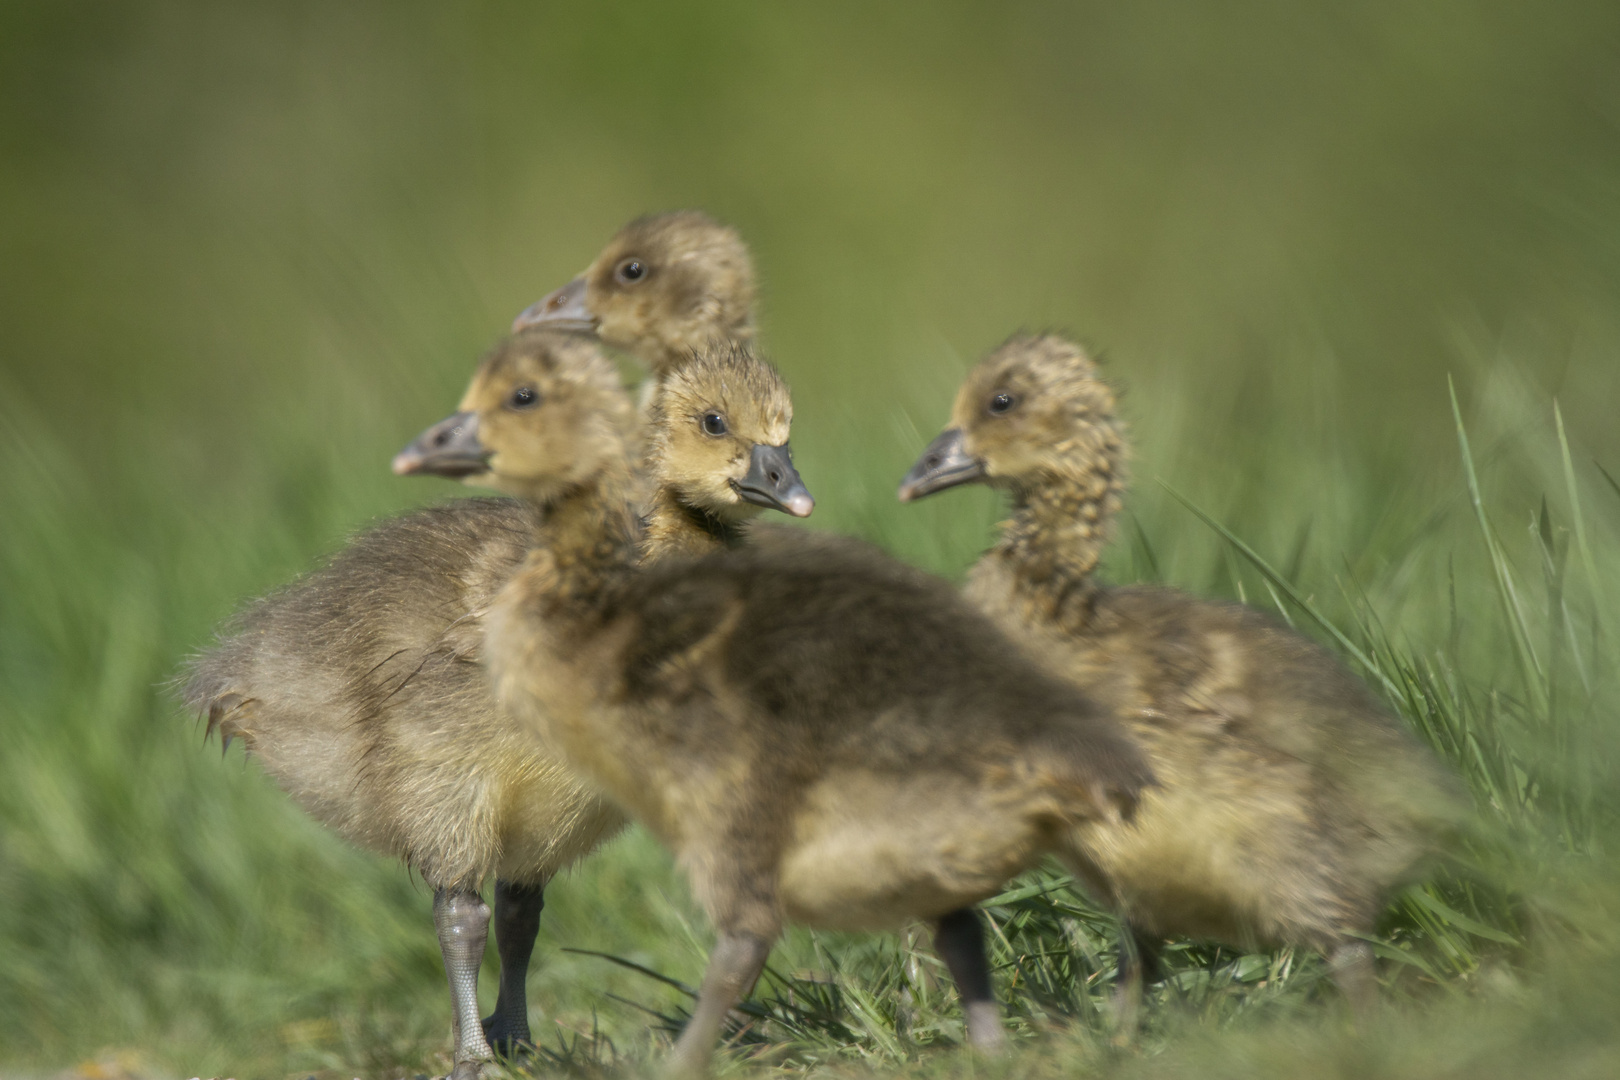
{"x": 719, "y": 437}
{"x": 544, "y": 413}
{"x": 664, "y": 287}
{"x": 1033, "y": 413}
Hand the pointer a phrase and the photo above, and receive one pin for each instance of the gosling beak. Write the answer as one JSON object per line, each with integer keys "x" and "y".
{"x": 448, "y": 448}
{"x": 943, "y": 465}
{"x": 772, "y": 481}
{"x": 562, "y": 309}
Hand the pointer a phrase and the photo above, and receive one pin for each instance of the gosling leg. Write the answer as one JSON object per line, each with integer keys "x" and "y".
{"x": 462, "y": 919}
{"x": 1138, "y": 965}
{"x": 517, "y": 921}
{"x": 734, "y": 968}
{"x": 1352, "y": 965}
{"x": 959, "y": 940}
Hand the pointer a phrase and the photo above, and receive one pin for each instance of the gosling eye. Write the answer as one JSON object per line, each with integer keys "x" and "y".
{"x": 524, "y": 397}
{"x": 714, "y": 424}
{"x": 630, "y": 271}
{"x": 1002, "y": 404}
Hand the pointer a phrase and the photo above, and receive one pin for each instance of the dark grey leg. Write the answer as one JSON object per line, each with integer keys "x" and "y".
{"x": 1138, "y": 965}
{"x": 517, "y": 921}
{"x": 734, "y": 967}
{"x": 1352, "y": 965}
{"x": 959, "y": 940}
{"x": 462, "y": 919}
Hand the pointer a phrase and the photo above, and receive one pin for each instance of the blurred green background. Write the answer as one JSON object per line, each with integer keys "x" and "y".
{"x": 248, "y": 250}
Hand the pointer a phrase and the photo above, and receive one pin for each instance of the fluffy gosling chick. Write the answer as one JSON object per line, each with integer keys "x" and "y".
{"x": 821, "y": 734}
{"x": 1290, "y": 802}
{"x": 663, "y": 289}
{"x": 360, "y": 688}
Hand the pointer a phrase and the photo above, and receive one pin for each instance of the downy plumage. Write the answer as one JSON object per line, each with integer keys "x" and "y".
{"x": 1290, "y": 802}
{"x": 361, "y": 688}
{"x": 820, "y": 733}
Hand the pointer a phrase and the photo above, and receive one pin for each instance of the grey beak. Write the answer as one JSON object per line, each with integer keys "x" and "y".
{"x": 944, "y": 464}
{"x": 561, "y": 309}
{"x": 773, "y": 481}
{"x": 448, "y": 448}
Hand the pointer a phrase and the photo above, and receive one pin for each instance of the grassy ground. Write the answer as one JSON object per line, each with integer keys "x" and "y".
{"x": 250, "y": 251}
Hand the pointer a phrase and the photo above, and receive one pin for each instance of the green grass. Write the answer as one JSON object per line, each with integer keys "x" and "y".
{"x": 255, "y": 250}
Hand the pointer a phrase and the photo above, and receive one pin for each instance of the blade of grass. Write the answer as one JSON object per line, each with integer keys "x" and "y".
{"x": 1427, "y": 899}
{"x": 633, "y": 966}
{"x": 1388, "y": 951}
{"x": 1145, "y": 546}
{"x": 1612, "y": 481}
{"x": 1506, "y": 589}
{"x": 1040, "y": 888}
{"x": 1282, "y": 609}
{"x": 1587, "y": 562}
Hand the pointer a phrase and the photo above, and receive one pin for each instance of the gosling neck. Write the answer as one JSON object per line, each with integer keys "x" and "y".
{"x": 586, "y": 540}
{"x": 1054, "y": 540}
{"x": 678, "y": 529}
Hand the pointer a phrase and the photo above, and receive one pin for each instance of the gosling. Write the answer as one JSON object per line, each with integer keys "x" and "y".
{"x": 665, "y": 288}
{"x": 1289, "y": 801}
{"x": 360, "y": 689}
{"x": 822, "y": 735}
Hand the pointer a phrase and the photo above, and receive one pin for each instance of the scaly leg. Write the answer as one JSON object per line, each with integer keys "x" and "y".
{"x": 1138, "y": 965}
{"x": 959, "y": 940}
{"x": 734, "y": 967}
{"x": 517, "y": 921}
{"x": 1352, "y": 966}
{"x": 462, "y": 919}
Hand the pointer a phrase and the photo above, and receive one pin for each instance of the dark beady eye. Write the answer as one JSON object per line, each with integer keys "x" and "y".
{"x": 1002, "y": 404}
{"x": 630, "y": 271}
{"x": 714, "y": 424}
{"x": 524, "y": 397}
